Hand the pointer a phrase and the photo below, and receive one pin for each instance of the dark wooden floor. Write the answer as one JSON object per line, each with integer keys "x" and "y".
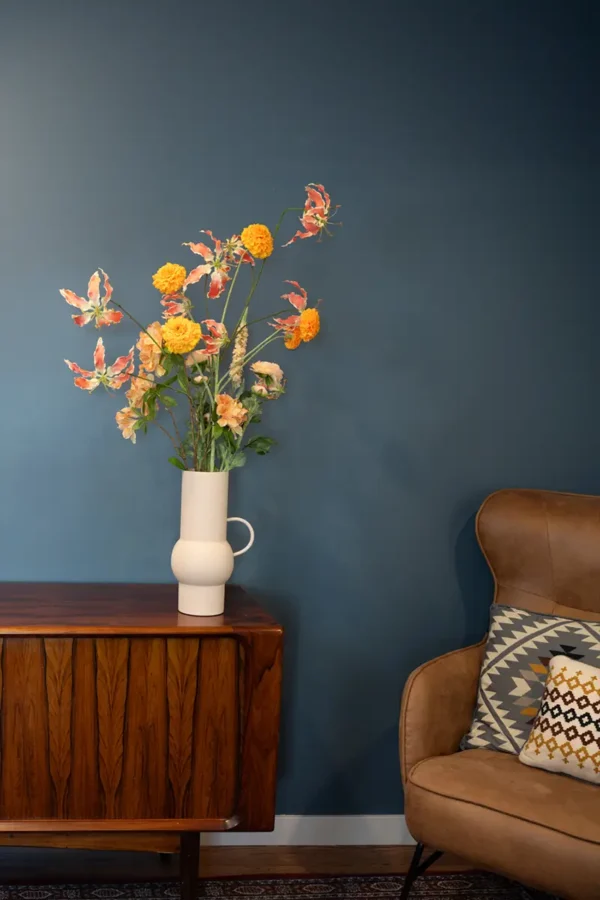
{"x": 39, "y": 865}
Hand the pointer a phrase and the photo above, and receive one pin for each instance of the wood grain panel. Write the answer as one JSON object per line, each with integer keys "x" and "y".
{"x": 59, "y": 692}
{"x": 112, "y": 658}
{"x": 126, "y": 609}
{"x": 216, "y": 730}
{"x": 84, "y": 788}
{"x": 131, "y": 729}
{"x": 182, "y": 684}
{"x": 145, "y": 770}
{"x": 262, "y": 698}
{"x": 26, "y": 787}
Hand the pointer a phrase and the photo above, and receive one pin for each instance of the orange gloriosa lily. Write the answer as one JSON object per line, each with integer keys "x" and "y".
{"x": 317, "y": 213}
{"x": 113, "y": 377}
{"x": 94, "y": 308}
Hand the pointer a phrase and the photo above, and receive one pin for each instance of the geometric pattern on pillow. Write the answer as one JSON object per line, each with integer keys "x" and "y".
{"x": 566, "y": 733}
{"x": 520, "y": 647}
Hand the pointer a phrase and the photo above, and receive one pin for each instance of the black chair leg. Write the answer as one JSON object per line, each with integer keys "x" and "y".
{"x": 417, "y": 868}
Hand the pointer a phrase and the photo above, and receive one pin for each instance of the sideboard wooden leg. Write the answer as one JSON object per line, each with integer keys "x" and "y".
{"x": 189, "y": 861}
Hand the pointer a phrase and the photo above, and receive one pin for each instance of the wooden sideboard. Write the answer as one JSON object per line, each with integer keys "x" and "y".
{"x": 118, "y": 714}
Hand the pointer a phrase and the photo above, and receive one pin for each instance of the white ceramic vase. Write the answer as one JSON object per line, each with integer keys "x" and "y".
{"x": 202, "y": 560}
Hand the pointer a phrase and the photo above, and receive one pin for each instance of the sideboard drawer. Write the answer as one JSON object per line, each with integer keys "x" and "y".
{"x": 124, "y": 727}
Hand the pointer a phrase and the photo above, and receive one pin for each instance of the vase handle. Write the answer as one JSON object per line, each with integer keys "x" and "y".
{"x": 250, "y": 529}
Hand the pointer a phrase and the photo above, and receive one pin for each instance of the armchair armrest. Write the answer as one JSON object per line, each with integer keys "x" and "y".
{"x": 437, "y": 705}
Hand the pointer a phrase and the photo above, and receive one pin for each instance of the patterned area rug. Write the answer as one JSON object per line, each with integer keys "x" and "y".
{"x": 476, "y": 886}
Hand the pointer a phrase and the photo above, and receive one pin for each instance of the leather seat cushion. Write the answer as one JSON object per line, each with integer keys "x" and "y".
{"x": 499, "y": 782}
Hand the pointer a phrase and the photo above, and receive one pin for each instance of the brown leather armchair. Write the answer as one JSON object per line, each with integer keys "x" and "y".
{"x": 539, "y": 828}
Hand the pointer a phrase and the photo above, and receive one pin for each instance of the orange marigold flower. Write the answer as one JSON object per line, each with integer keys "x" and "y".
{"x": 231, "y": 414}
{"x": 293, "y": 338}
{"x": 309, "y": 324}
{"x": 170, "y": 278}
{"x": 180, "y": 335}
{"x": 258, "y": 240}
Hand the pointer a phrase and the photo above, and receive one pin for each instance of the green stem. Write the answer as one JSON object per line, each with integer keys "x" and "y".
{"x": 283, "y": 215}
{"x": 213, "y": 445}
{"x": 253, "y": 286}
{"x": 229, "y": 292}
{"x": 250, "y": 355}
{"x": 170, "y": 436}
{"x": 192, "y": 423}
{"x": 259, "y": 347}
{"x": 254, "y": 322}
{"x": 174, "y": 421}
{"x": 135, "y": 322}
{"x": 206, "y": 289}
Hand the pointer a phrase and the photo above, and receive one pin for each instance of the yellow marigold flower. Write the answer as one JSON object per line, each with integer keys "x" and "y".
{"x": 292, "y": 338}
{"x": 258, "y": 240}
{"x": 309, "y": 324}
{"x": 169, "y": 278}
{"x": 180, "y": 335}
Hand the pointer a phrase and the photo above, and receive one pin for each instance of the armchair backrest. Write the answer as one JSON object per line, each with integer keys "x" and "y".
{"x": 543, "y": 549}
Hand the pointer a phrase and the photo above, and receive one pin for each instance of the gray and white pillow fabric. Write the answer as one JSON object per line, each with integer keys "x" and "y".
{"x": 515, "y": 666}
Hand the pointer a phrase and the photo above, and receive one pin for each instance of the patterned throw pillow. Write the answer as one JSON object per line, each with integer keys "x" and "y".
{"x": 515, "y": 665}
{"x": 566, "y": 733}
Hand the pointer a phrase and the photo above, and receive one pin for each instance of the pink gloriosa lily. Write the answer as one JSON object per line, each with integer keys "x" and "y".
{"x": 299, "y": 301}
{"x": 217, "y": 262}
{"x": 176, "y": 305}
{"x": 235, "y": 251}
{"x": 217, "y": 337}
{"x": 215, "y": 266}
{"x": 317, "y": 213}
{"x": 94, "y": 308}
{"x": 113, "y": 377}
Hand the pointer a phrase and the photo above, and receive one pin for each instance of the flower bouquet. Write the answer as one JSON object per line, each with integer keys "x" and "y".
{"x": 191, "y": 379}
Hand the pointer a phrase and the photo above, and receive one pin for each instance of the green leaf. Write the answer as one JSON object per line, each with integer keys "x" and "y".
{"x": 231, "y": 460}
{"x": 229, "y": 437}
{"x": 150, "y": 401}
{"x": 182, "y": 380}
{"x": 169, "y": 381}
{"x": 260, "y": 445}
{"x": 168, "y": 402}
{"x": 175, "y": 461}
{"x": 217, "y": 431}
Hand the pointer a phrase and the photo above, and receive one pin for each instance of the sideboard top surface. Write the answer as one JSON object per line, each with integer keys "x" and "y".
{"x": 53, "y": 608}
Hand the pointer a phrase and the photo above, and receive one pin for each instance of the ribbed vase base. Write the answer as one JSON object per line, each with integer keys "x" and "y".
{"x": 199, "y": 600}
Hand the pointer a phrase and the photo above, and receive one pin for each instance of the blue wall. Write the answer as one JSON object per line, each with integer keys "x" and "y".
{"x": 460, "y": 345}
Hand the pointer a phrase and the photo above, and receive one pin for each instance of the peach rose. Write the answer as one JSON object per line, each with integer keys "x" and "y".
{"x": 231, "y": 413}
{"x": 150, "y": 347}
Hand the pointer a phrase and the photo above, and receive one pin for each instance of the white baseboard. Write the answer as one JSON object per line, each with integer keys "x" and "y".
{"x": 318, "y": 831}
